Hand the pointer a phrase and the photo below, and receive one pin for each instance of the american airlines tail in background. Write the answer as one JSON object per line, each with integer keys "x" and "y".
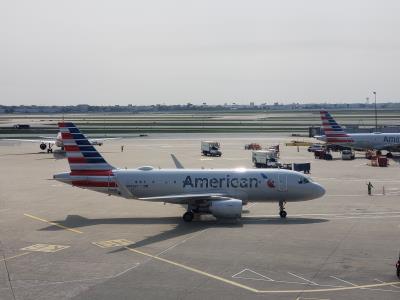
{"x": 336, "y": 135}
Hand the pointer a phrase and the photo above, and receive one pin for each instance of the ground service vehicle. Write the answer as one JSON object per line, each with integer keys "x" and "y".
{"x": 299, "y": 167}
{"x": 322, "y": 154}
{"x": 252, "y": 146}
{"x": 210, "y": 148}
{"x": 265, "y": 159}
{"x": 348, "y": 155}
{"x": 315, "y": 147}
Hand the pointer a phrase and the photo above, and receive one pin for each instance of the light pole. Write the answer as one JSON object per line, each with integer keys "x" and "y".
{"x": 376, "y": 114}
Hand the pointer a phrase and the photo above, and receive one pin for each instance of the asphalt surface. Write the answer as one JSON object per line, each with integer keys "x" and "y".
{"x": 60, "y": 242}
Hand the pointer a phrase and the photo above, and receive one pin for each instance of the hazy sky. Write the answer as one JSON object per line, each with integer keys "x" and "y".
{"x": 216, "y": 51}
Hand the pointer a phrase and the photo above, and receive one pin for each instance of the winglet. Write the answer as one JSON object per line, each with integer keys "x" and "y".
{"x": 177, "y": 162}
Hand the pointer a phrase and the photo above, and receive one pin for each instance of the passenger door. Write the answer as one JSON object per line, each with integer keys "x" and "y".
{"x": 282, "y": 182}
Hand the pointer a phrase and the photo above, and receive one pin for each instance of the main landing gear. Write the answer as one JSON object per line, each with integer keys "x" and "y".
{"x": 282, "y": 211}
{"x": 188, "y": 216}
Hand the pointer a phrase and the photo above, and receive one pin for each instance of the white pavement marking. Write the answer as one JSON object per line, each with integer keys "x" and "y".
{"x": 389, "y": 285}
{"x": 112, "y": 243}
{"x": 81, "y": 280}
{"x": 342, "y": 280}
{"x": 263, "y": 277}
{"x": 250, "y": 205}
{"x": 366, "y": 288}
{"x": 15, "y": 256}
{"x": 45, "y": 248}
{"x": 302, "y": 278}
{"x": 355, "y": 215}
{"x": 127, "y": 270}
{"x": 181, "y": 242}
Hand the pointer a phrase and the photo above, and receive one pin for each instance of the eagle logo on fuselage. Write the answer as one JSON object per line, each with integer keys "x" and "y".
{"x": 270, "y": 183}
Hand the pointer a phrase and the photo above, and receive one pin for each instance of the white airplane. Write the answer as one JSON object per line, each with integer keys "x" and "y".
{"x": 220, "y": 192}
{"x": 335, "y": 135}
{"x": 49, "y": 142}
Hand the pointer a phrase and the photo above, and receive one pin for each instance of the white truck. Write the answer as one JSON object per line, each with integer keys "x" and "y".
{"x": 348, "y": 154}
{"x": 210, "y": 148}
{"x": 265, "y": 159}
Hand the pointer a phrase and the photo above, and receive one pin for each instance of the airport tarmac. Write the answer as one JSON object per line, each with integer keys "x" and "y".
{"x": 61, "y": 242}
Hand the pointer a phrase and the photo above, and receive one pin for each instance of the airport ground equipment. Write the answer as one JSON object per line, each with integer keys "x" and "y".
{"x": 299, "y": 167}
{"x": 348, "y": 154}
{"x": 220, "y": 192}
{"x": 379, "y": 161}
{"x": 315, "y": 147}
{"x": 298, "y": 143}
{"x": 210, "y": 148}
{"x": 252, "y": 146}
{"x": 265, "y": 159}
{"x": 322, "y": 154}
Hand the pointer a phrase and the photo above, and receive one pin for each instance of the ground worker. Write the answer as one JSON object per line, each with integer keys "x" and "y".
{"x": 370, "y": 186}
{"x": 398, "y": 267}
{"x": 122, "y": 148}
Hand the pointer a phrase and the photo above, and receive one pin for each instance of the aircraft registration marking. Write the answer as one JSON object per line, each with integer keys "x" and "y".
{"x": 45, "y": 248}
{"x": 113, "y": 243}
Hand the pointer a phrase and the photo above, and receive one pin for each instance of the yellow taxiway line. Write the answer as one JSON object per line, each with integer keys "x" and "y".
{"x": 53, "y": 223}
{"x": 367, "y": 286}
{"x": 195, "y": 270}
{"x": 15, "y": 256}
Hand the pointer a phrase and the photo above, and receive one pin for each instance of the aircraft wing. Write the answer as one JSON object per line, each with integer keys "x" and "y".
{"x": 52, "y": 142}
{"x": 186, "y": 198}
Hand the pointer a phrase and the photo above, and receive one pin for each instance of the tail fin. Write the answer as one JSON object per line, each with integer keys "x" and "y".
{"x": 83, "y": 158}
{"x": 333, "y": 131}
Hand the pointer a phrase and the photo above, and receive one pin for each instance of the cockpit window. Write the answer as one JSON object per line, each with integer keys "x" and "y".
{"x": 303, "y": 180}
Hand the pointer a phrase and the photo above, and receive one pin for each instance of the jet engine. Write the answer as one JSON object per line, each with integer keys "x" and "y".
{"x": 43, "y": 146}
{"x": 230, "y": 208}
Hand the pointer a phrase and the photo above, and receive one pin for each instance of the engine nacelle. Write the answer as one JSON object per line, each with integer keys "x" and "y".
{"x": 43, "y": 146}
{"x": 230, "y": 208}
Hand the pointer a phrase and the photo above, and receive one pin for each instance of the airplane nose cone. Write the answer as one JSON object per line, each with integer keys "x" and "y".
{"x": 319, "y": 190}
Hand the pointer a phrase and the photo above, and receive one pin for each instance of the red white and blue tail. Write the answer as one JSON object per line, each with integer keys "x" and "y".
{"x": 333, "y": 131}
{"x": 88, "y": 168}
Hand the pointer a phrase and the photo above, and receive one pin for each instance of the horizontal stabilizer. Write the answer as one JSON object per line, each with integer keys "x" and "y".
{"x": 177, "y": 162}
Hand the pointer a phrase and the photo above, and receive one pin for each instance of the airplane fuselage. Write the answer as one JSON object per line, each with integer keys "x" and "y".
{"x": 377, "y": 141}
{"x": 244, "y": 184}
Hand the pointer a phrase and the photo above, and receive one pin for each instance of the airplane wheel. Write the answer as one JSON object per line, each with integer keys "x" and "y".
{"x": 283, "y": 214}
{"x": 188, "y": 216}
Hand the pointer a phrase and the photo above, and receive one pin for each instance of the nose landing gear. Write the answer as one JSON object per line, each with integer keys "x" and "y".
{"x": 282, "y": 211}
